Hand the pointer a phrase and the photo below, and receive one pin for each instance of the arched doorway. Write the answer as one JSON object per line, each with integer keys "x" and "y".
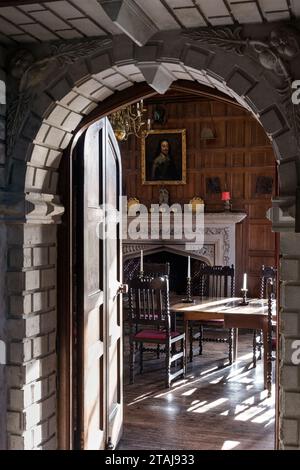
{"x": 61, "y": 108}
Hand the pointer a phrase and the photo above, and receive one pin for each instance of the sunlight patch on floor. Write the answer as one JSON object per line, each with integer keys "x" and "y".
{"x": 195, "y": 404}
{"x": 217, "y": 381}
{"x": 266, "y": 416}
{"x": 228, "y": 445}
{"x": 189, "y": 392}
{"x": 248, "y": 414}
{"x": 203, "y": 408}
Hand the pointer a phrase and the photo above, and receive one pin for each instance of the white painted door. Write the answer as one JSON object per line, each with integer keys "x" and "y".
{"x": 102, "y": 336}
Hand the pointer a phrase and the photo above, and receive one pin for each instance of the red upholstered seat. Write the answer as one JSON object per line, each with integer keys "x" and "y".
{"x": 154, "y": 335}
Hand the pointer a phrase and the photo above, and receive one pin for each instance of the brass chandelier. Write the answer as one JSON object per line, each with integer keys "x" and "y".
{"x": 130, "y": 121}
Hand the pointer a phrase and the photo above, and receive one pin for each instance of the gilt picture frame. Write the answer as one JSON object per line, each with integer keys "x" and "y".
{"x": 163, "y": 157}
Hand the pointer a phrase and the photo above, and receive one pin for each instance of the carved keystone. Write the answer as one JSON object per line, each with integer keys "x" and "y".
{"x": 131, "y": 19}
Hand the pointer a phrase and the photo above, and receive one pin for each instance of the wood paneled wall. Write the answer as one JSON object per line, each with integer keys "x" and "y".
{"x": 240, "y": 153}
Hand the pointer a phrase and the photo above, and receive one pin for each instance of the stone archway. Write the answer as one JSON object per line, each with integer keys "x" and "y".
{"x": 50, "y": 110}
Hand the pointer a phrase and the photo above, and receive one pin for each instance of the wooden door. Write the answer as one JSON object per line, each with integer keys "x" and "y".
{"x": 102, "y": 326}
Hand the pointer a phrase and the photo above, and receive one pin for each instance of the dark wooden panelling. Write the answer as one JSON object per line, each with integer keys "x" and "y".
{"x": 260, "y": 237}
{"x": 240, "y": 153}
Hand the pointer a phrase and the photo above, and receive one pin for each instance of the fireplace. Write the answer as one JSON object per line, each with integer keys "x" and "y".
{"x": 178, "y": 269}
{"x": 218, "y": 249}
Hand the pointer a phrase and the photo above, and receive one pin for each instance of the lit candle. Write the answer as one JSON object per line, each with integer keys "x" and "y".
{"x": 189, "y": 267}
{"x": 245, "y": 282}
{"x": 148, "y": 124}
{"x": 142, "y": 261}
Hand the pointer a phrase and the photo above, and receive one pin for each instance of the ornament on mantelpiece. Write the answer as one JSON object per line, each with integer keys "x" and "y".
{"x": 196, "y": 203}
{"x": 163, "y": 196}
{"x": 227, "y": 202}
{"x": 133, "y": 201}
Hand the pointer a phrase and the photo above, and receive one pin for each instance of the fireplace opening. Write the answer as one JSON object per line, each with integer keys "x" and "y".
{"x": 178, "y": 270}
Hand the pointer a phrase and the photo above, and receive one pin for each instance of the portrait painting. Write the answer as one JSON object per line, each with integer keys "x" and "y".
{"x": 164, "y": 157}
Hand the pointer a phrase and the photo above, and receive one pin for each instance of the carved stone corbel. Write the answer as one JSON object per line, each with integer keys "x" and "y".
{"x": 157, "y": 76}
{"x": 282, "y": 214}
{"x": 131, "y": 19}
{"x": 43, "y": 208}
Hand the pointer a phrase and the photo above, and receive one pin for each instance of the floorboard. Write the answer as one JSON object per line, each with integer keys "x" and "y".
{"x": 216, "y": 407}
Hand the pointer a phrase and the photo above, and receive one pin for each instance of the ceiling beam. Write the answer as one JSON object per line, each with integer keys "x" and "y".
{"x": 16, "y": 3}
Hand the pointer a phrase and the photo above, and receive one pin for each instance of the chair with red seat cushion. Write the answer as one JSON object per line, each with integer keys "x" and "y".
{"x": 149, "y": 309}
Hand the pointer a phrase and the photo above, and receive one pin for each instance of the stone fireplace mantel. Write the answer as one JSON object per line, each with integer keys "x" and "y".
{"x": 219, "y": 241}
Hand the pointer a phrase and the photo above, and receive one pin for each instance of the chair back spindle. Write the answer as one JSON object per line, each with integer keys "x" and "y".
{"x": 268, "y": 274}
{"x": 217, "y": 281}
{"x": 149, "y": 300}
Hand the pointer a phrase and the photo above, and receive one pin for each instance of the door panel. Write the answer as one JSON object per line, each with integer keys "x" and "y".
{"x": 102, "y": 335}
{"x": 113, "y": 260}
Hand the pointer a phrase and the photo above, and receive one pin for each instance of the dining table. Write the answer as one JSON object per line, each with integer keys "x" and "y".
{"x": 235, "y": 314}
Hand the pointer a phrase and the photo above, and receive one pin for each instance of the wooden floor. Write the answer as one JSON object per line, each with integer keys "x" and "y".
{"x": 214, "y": 408}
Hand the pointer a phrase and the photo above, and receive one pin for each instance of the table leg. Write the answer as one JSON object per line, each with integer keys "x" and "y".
{"x": 186, "y": 329}
{"x": 235, "y": 343}
{"x": 266, "y": 348}
{"x": 191, "y": 342}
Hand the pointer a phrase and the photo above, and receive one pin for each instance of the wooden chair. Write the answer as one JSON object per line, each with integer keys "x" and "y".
{"x": 215, "y": 281}
{"x": 157, "y": 269}
{"x": 268, "y": 277}
{"x": 149, "y": 309}
{"x": 271, "y": 296}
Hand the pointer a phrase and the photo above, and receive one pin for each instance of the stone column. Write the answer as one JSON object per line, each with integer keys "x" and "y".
{"x": 289, "y": 379}
{"x": 28, "y": 256}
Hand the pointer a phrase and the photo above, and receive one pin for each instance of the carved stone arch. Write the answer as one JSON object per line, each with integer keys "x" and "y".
{"x": 57, "y": 110}
{"x": 53, "y": 106}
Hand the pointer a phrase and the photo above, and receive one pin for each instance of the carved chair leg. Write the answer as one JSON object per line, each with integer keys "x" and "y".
{"x": 230, "y": 344}
{"x": 254, "y": 347}
{"x": 131, "y": 361}
{"x": 260, "y": 342}
{"x": 168, "y": 366}
{"x": 269, "y": 361}
{"x": 191, "y": 342}
{"x": 182, "y": 349}
{"x": 141, "y": 358}
{"x": 200, "y": 339}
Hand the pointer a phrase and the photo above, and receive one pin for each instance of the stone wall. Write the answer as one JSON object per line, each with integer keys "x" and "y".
{"x": 31, "y": 208}
{"x": 2, "y": 258}
{"x": 31, "y": 335}
{"x": 289, "y": 379}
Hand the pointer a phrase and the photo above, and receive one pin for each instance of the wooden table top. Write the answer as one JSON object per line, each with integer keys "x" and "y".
{"x": 226, "y": 305}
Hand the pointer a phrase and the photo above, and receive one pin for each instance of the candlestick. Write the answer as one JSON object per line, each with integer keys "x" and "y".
{"x": 142, "y": 261}
{"x": 245, "y": 281}
{"x": 244, "y": 294}
{"x": 189, "y": 267}
{"x": 188, "y": 299}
